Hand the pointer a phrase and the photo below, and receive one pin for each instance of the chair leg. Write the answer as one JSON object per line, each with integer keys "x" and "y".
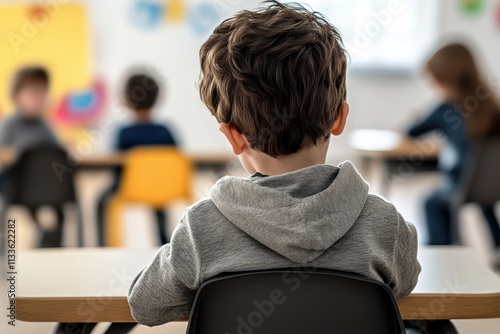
{"x": 73, "y": 328}
{"x": 114, "y": 225}
{"x": 162, "y": 222}
{"x": 442, "y": 327}
{"x": 3, "y": 228}
{"x": 430, "y": 327}
{"x": 120, "y": 327}
{"x": 53, "y": 238}
{"x": 455, "y": 225}
{"x": 79, "y": 226}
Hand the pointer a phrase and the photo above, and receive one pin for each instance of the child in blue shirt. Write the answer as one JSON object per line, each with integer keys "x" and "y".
{"x": 454, "y": 73}
{"x": 141, "y": 93}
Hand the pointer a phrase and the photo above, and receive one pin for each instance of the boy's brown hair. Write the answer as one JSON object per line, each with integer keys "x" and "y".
{"x": 141, "y": 92}
{"x": 277, "y": 75}
{"x": 29, "y": 75}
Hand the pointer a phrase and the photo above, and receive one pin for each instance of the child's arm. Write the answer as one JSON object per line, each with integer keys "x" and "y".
{"x": 406, "y": 267}
{"x": 164, "y": 291}
{"x": 170, "y": 138}
{"x": 52, "y": 136}
{"x": 430, "y": 122}
{"x": 5, "y": 133}
{"x": 119, "y": 143}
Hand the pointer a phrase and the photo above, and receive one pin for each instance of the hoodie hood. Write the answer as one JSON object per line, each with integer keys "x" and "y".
{"x": 299, "y": 214}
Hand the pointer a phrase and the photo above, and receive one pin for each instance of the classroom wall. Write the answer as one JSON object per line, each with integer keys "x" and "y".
{"x": 393, "y": 102}
{"x": 375, "y": 102}
{"x": 170, "y": 53}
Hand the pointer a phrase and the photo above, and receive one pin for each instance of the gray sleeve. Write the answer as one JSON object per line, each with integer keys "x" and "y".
{"x": 164, "y": 291}
{"x": 406, "y": 267}
{"x": 6, "y": 133}
{"x": 50, "y": 135}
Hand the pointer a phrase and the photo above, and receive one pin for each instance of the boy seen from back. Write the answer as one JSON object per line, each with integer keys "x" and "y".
{"x": 141, "y": 94}
{"x": 275, "y": 80}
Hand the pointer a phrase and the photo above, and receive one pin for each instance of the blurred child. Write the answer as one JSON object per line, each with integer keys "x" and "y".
{"x": 27, "y": 127}
{"x": 141, "y": 93}
{"x": 275, "y": 80}
{"x": 453, "y": 73}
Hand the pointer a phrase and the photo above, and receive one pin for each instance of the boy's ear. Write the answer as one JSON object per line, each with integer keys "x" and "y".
{"x": 339, "y": 124}
{"x": 235, "y": 138}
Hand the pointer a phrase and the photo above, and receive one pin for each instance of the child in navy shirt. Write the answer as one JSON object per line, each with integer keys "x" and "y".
{"x": 141, "y": 92}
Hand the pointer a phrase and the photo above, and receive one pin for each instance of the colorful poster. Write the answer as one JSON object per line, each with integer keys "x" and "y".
{"x": 497, "y": 15}
{"x": 201, "y": 16}
{"x": 175, "y": 11}
{"x": 471, "y": 6}
{"x": 146, "y": 14}
{"x": 53, "y": 36}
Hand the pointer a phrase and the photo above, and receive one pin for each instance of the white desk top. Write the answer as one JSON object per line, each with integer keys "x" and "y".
{"x": 79, "y": 272}
{"x": 90, "y": 272}
{"x": 453, "y": 276}
{"x": 375, "y": 140}
{"x": 376, "y": 143}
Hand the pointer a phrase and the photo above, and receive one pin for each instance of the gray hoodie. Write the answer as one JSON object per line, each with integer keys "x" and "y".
{"x": 321, "y": 216}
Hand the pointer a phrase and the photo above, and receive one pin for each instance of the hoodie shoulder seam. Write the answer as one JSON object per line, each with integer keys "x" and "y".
{"x": 199, "y": 203}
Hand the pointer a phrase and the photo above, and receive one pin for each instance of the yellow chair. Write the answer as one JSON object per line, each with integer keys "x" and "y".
{"x": 154, "y": 176}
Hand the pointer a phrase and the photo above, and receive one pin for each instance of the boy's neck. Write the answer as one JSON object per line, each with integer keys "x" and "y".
{"x": 268, "y": 165}
{"x": 142, "y": 116}
{"x": 30, "y": 117}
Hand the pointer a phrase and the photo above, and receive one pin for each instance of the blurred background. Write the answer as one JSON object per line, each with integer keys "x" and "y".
{"x": 91, "y": 47}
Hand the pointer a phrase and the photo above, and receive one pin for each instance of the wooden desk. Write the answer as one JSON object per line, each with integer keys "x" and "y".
{"x": 396, "y": 154}
{"x": 215, "y": 160}
{"x": 90, "y": 285}
{"x": 201, "y": 160}
{"x": 387, "y": 144}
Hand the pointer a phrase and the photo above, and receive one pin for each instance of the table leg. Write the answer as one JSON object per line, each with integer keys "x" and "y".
{"x": 430, "y": 327}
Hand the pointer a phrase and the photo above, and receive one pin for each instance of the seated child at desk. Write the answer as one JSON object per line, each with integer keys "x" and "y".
{"x": 275, "y": 80}
{"x": 454, "y": 74}
{"x": 27, "y": 128}
{"x": 141, "y": 93}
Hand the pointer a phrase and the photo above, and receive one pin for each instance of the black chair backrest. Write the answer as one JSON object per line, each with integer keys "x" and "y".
{"x": 481, "y": 179}
{"x": 41, "y": 176}
{"x": 294, "y": 302}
